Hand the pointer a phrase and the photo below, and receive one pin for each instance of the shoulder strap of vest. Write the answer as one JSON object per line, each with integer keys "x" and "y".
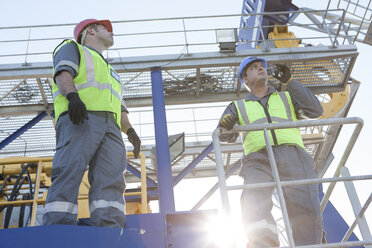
{"x": 243, "y": 112}
{"x": 285, "y": 101}
{"x": 65, "y": 42}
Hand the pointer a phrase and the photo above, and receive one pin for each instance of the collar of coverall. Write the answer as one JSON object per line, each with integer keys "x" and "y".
{"x": 252, "y": 97}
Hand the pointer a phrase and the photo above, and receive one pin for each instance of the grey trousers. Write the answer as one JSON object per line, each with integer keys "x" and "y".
{"x": 97, "y": 143}
{"x": 302, "y": 201}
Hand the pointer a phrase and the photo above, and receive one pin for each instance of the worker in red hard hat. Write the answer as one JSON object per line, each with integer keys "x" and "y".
{"x": 264, "y": 104}
{"x": 90, "y": 114}
{"x": 81, "y": 31}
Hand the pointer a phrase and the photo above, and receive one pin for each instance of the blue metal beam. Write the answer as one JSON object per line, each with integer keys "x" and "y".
{"x": 23, "y": 129}
{"x": 137, "y": 173}
{"x": 164, "y": 170}
{"x": 193, "y": 164}
{"x": 235, "y": 166}
{"x": 334, "y": 225}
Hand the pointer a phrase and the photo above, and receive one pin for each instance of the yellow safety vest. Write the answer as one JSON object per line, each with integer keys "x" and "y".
{"x": 280, "y": 109}
{"x": 97, "y": 84}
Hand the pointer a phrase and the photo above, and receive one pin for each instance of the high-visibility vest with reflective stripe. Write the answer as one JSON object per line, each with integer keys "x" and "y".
{"x": 97, "y": 84}
{"x": 280, "y": 109}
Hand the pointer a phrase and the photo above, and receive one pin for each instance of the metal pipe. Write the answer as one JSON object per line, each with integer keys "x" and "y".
{"x": 269, "y": 126}
{"x": 339, "y": 29}
{"x": 221, "y": 172}
{"x": 236, "y": 165}
{"x": 160, "y": 32}
{"x": 363, "y": 18}
{"x": 304, "y": 123}
{"x": 168, "y": 19}
{"x": 357, "y": 207}
{"x": 308, "y": 123}
{"x": 299, "y": 182}
{"x": 336, "y": 245}
{"x": 342, "y": 162}
{"x": 361, "y": 213}
{"x": 279, "y": 189}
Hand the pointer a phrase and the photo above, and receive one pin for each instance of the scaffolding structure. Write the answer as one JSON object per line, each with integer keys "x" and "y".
{"x": 197, "y": 81}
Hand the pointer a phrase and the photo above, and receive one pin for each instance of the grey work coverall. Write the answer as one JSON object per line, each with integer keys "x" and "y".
{"x": 293, "y": 163}
{"x": 96, "y": 143}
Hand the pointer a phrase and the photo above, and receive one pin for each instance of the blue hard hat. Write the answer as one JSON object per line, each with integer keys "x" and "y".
{"x": 246, "y": 61}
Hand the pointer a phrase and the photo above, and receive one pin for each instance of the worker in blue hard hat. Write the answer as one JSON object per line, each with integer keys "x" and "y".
{"x": 90, "y": 113}
{"x": 266, "y": 105}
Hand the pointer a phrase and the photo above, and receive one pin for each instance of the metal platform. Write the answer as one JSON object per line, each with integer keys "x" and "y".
{"x": 198, "y": 79}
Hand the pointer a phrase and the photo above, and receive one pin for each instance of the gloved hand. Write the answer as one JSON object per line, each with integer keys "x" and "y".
{"x": 76, "y": 109}
{"x": 227, "y": 121}
{"x": 135, "y": 140}
{"x": 282, "y": 73}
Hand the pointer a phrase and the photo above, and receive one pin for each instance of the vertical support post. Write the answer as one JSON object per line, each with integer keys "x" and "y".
{"x": 279, "y": 189}
{"x": 36, "y": 192}
{"x": 221, "y": 172}
{"x": 164, "y": 171}
{"x": 143, "y": 184}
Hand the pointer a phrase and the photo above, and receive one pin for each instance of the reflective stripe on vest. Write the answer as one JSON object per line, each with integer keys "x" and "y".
{"x": 256, "y": 140}
{"x": 105, "y": 204}
{"x": 99, "y": 92}
{"x": 62, "y": 207}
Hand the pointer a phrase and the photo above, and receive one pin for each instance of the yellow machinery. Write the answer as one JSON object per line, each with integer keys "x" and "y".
{"x": 283, "y": 38}
{"x": 39, "y": 171}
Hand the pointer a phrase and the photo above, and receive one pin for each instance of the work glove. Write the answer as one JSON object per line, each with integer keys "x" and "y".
{"x": 76, "y": 109}
{"x": 282, "y": 73}
{"x": 227, "y": 121}
{"x": 135, "y": 140}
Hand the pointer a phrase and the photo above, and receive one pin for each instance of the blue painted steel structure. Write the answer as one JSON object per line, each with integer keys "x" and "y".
{"x": 23, "y": 129}
{"x": 137, "y": 173}
{"x": 246, "y": 32}
{"x": 62, "y": 236}
{"x": 254, "y": 28}
{"x": 192, "y": 165}
{"x": 168, "y": 228}
{"x": 333, "y": 223}
{"x": 164, "y": 173}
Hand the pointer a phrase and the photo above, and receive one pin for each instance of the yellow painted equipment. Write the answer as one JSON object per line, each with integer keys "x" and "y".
{"x": 283, "y": 38}
{"x": 40, "y": 177}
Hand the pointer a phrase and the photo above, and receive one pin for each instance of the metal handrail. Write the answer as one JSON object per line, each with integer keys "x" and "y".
{"x": 181, "y": 29}
{"x": 306, "y": 123}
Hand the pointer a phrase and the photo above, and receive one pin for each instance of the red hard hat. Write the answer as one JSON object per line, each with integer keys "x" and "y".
{"x": 83, "y": 24}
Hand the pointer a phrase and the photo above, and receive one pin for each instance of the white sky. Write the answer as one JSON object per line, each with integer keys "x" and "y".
{"x": 39, "y": 12}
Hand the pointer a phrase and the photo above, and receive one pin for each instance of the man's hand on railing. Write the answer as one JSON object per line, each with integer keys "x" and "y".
{"x": 227, "y": 121}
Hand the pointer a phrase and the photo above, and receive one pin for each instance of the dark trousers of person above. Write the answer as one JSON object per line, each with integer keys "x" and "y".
{"x": 302, "y": 201}
{"x": 96, "y": 144}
